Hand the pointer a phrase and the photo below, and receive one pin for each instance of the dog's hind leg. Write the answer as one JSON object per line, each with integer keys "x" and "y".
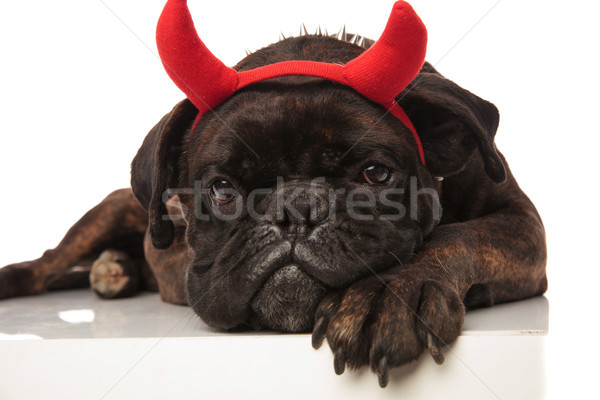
{"x": 118, "y": 223}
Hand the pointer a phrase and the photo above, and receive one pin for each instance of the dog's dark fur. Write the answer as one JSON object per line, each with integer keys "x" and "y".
{"x": 380, "y": 291}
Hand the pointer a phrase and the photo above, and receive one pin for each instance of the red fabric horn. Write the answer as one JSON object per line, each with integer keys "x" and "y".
{"x": 379, "y": 74}
{"x": 204, "y": 79}
{"x": 384, "y": 70}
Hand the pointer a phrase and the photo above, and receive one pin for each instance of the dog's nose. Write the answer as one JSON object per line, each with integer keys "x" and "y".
{"x": 299, "y": 208}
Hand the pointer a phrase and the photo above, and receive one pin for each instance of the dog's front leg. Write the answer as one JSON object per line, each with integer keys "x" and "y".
{"x": 388, "y": 319}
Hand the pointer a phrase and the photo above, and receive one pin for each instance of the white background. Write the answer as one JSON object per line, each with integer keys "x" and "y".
{"x": 80, "y": 86}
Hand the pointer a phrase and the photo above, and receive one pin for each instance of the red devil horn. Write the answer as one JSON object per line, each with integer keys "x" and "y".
{"x": 384, "y": 70}
{"x": 379, "y": 74}
{"x": 204, "y": 79}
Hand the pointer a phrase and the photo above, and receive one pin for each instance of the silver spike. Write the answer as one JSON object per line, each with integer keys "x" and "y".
{"x": 318, "y": 32}
{"x": 303, "y": 31}
{"x": 248, "y": 52}
{"x": 361, "y": 41}
{"x": 281, "y": 36}
{"x": 326, "y": 33}
{"x": 342, "y": 34}
{"x": 354, "y": 39}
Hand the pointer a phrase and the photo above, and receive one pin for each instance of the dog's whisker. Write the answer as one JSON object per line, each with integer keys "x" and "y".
{"x": 445, "y": 268}
{"x": 395, "y": 256}
{"x": 190, "y": 319}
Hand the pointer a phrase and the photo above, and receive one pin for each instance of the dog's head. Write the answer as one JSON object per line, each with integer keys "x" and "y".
{"x": 297, "y": 186}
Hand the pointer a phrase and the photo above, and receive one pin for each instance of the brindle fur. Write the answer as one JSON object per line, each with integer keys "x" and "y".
{"x": 488, "y": 248}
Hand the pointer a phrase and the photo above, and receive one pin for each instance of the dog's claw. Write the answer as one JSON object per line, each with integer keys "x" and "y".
{"x": 383, "y": 372}
{"x": 434, "y": 350}
{"x": 339, "y": 361}
{"x": 318, "y": 333}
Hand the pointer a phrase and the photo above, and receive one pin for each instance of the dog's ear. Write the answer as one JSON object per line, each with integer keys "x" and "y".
{"x": 452, "y": 123}
{"x": 155, "y": 169}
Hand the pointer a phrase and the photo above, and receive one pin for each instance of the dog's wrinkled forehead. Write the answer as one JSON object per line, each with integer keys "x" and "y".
{"x": 295, "y": 127}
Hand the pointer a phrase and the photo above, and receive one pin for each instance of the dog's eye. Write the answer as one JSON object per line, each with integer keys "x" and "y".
{"x": 222, "y": 191}
{"x": 376, "y": 174}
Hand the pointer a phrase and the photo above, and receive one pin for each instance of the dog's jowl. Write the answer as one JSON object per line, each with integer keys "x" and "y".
{"x": 330, "y": 184}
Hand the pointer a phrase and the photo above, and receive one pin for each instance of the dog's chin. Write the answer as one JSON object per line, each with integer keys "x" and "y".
{"x": 288, "y": 300}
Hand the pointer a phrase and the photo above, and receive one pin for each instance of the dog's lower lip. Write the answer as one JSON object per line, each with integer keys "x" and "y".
{"x": 287, "y": 273}
{"x": 288, "y": 299}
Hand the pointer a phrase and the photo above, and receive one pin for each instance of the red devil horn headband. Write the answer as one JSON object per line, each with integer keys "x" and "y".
{"x": 380, "y": 73}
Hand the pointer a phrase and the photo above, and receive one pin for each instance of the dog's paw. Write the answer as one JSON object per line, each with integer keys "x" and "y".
{"x": 389, "y": 320}
{"x": 114, "y": 275}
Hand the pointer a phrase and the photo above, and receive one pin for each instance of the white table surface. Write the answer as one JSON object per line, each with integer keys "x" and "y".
{"x": 73, "y": 345}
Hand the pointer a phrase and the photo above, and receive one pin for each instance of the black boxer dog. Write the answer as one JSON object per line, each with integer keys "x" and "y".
{"x": 298, "y": 204}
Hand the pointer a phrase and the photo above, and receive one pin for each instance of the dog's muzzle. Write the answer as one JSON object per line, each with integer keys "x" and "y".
{"x": 288, "y": 300}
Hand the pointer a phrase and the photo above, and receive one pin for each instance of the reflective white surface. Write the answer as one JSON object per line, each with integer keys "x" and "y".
{"x": 73, "y": 345}
{"x": 79, "y": 314}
